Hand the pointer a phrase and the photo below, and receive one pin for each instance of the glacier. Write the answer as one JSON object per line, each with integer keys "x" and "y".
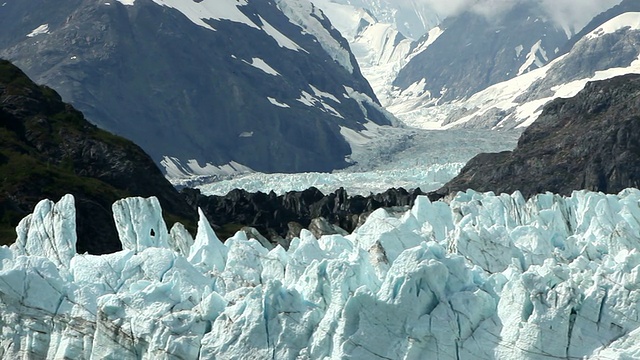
{"x": 479, "y": 276}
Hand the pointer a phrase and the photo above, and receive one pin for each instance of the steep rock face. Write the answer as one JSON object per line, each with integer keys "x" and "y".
{"x": 48, "y": 149}
{"x": 590, "y": 141}
{"x": 198, "y": 85}
{"x": 285, "y": 215}
{"x": 477, "y": 50}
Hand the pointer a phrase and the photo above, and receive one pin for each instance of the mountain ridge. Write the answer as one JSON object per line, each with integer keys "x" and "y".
{"x": 188, "y": 89}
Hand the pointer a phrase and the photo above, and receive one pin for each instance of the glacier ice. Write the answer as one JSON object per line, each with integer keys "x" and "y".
{"x": 481, "y": 276}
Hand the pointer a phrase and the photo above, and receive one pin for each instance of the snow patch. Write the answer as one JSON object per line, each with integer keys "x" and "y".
{"x": 277, "y": 103}
{"x": 177, "y": 170}
{"x": 323, "y": 94}
{"x": 537, "y": 56}
{"x": 307, "y": 99}
{"x": 519, "y": 49}
{"x": 262, "y": 65}
{"x": 282, "y": 40}
{"x": 199, "y": 11}
{"x": 318, "y": 103}
{"x": 42, "y": 29}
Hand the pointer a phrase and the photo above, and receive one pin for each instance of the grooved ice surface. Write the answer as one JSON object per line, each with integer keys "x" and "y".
{"x": 482, "y": 277}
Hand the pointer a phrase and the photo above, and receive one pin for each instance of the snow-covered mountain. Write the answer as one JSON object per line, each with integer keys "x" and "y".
{"x": 483, "y": 277}
{"x": 210, "y": 86}
{"x": 476, "y": 51}
{"x": 605, "y": 52}
{"x": 470, "y": 68}
{"x": 412, "y": 18}
{"x": 375, "y": 33}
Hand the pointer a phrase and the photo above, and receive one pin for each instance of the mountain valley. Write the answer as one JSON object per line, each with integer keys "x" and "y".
{"x": 325, "y": 179}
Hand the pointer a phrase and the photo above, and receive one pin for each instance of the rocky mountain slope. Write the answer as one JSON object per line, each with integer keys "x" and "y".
{"x": 487, "y": 66}
{"x": 476, "y": 50}
{"x": 590, "y": 141}
{"x": 204, "y": 87}
{"x": 48, "y": 149}
{"x": 603, "y": 53}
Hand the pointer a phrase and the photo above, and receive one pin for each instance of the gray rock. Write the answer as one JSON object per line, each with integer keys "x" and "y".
{"x": 177, "y": 89}
{"x": 475, "y": 52}
{"x": 590, "y": 141}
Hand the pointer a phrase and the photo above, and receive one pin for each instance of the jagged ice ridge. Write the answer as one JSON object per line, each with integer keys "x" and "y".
{"x": 484, "y": 276}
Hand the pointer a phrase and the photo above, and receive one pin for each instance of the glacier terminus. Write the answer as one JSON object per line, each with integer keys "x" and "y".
{"x": 480, "y": 276}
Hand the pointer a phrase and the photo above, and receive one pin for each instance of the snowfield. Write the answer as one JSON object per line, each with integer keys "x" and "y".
{"x": 482, "y": 277}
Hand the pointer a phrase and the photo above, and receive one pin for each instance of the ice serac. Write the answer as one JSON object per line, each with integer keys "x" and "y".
{"x": 140, "y": 224}
{"x": 483, "y": 277}
{"x": 50, "y": 232}
{"x": 207, "y": 250}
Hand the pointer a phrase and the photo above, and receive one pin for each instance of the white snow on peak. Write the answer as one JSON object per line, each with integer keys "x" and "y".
{"x": 484, "y": 276}
{"x": 305, "y": 15}
{"x": 346, "y": 18}
{"x": 381, "y": 57}
{"x": 262, "y": 65}
{"x": 507, "y": 97}
{"x": 627, "y": 20}
{"x": 434, "y": 34}
{"x": 379, "y": 47}
{"x": 412, "y": 17}
{"x": 42, "y": 29}
{"x": 277, "y": 103}
{"x": 127, "y": 2}
{"x": 199, "y": 11}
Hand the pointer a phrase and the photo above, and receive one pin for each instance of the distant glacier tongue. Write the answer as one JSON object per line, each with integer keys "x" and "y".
{"x": 483, "y": 277}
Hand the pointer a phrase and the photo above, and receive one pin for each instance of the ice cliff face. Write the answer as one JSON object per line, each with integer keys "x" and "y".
{"x": 485, "y": 276}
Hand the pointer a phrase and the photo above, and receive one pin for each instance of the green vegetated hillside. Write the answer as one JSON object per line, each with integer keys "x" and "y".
{"x": 48, "y": 149}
